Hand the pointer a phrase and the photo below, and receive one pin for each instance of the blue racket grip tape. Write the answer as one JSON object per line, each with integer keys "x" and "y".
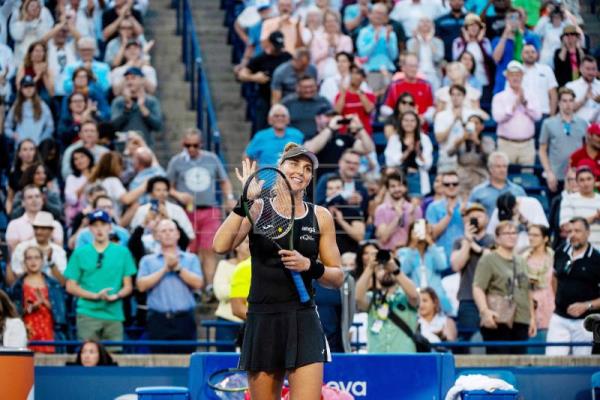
{"x": 304, "y": 297}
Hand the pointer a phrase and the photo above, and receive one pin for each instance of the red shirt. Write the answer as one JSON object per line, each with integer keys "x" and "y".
{"x": 352, "y": 105}
{"x": 420, "y": 91}
{"x": 581, "y": 158}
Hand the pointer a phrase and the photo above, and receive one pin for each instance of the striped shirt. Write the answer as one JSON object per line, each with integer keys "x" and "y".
{"x": 575, "y": 205}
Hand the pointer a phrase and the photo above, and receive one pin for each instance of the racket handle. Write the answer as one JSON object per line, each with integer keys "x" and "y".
{"x": 297, "y": 278}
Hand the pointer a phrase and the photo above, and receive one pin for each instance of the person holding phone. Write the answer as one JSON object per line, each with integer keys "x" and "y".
{"x": 466, "y": 252}
{"x": 356, "y": 99}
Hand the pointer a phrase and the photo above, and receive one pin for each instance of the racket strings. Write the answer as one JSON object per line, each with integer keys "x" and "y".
{"x": 270, "y": 204}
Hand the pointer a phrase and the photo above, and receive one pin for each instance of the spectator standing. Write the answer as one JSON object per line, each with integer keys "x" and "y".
{"x": 588, "y": 154}
{"x": 54, "y": 260}
{"x": 379, "y": 44}
{"x": 29, "y": 117}
{"x": 222, "y": 287}
{"x": 30, "y": 22}
{"x": 472, "y": 151}
{"x": 419, "y": 89}
{"x": 539, "y": 79}
{"x": 503, "y": 273}
{"x": 327, "y": 43}
{"x": 496, "y": 21}
{"x": 82, "y": 163}
{"x": 135, "y": 109}
{"x": 516, "y": 112}
{"x": 430, "y": 50}
{"x": 40, "y": 299}
{"x": 349, "y": 222}
{"x": 260, "y": 70}
{"x": 26, "y": 155}
{"x": 396, "y": 214}
{"x": 21, "y": 229}
{"x": 585, "y": 203}
{"x": 84, "y": 235}
{"x": 306, "y": 106}
{"x": 286, "y": 76}
{"x": 551, "y": 27}
{"x": 333, "y": 140}
{"x": 411, "y": 150}
{"x": 410, "y": 12}
{"x": 498, "y": 183}
{"x": 113, "y": 16}
{"x": 61, "y": 51}
{"x": 560, "y": 137}
{"x": 466, "y": 252}
{"x": 170, "y": 277}
{"x": 560, "y": 232}
{"x": 445, "y": 215}
{"x": 354, "y": 100}
{"x": 87, "y": 48}
{"x": 449, "y": 26}
{"x": 354, "y": 191}
{"x": 12, "y": 328}
{"x": 383, "y": 289}
{"x": 289, "y": 26}
{"x": 35, "y": 65}
{"x": 134, "y": 55}
{"x": 423, "y": 261}
{"x": 569, "y": 57}
{"x": 576, "y": 280}
{"x": 267, "y": 145}
{"x": 507, "y": 47}
{"x": 587, "y": 90}
{"x": 157, "y": 189}
{"x": 99, "y": 274}
{"x": 472, "y": 40}
{"x": 194, "y": 174}
{"x": 540, "y": 268}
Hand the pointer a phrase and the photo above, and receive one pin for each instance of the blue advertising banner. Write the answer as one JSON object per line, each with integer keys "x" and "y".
{"x": 365, "y": 376}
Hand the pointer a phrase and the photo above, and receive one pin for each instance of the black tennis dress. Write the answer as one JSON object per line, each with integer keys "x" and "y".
{"x": 281, "y": 333}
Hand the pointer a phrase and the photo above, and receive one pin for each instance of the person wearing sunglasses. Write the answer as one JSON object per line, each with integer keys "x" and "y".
{"x": 194, "y": 175}
{"x": 561, "y": 135}
{"x": 99, "y": 275}
{"x": 445, "y": 215}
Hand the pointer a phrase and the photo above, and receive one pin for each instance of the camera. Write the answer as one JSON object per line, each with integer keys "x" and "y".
{"x": 154, "y": 205}
{"x": 345, "y": 121}
{"x": 383, "y": 257}
{"x": 475, "y": 222}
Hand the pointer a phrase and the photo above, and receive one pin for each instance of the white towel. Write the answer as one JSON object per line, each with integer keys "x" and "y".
{"x": 476, "y": 382}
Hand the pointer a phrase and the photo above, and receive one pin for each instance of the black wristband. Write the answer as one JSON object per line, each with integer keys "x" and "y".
{"x": 239, "y": 209}
{"x": 316, "y": 270}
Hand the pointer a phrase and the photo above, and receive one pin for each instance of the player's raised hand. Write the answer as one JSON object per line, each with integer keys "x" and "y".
{"x": 248, "y": 168}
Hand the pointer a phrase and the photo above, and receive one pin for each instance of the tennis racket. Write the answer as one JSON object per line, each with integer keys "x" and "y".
{"x": 269, "y": 205}
{"x": 229, "y": 384}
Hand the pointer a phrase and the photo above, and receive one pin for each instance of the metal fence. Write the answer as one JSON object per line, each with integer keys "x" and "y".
{"x": 200, "y": 95}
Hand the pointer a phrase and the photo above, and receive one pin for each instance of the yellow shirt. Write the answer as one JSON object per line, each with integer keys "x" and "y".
{"x": 240, "y": 280}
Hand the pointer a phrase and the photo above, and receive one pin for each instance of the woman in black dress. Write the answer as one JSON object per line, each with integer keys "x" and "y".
{"x": 282, "y": 335}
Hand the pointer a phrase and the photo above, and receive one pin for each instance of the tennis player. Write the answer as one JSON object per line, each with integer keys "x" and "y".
{"x": 282, "y": 335}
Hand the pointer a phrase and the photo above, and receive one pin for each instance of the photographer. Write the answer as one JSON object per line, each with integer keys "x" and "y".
{"x": 387, "y": 295}
{"x": 349, "y": 224}
{"x": 464, "y": 258}
{"x": 341, "y": 133}
{"x": 576, "y": 281}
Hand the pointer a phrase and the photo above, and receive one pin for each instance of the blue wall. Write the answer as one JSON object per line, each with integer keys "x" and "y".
{"x": 104, "y": 383}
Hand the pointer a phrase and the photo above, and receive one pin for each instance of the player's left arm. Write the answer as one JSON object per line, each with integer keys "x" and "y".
{"x": 328, "y": 250}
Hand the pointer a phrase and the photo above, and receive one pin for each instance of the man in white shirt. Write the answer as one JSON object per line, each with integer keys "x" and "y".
{"x": 55, "y": 257}
{"x": 585, "y": 204}
{"x": 158, "y": 189}
{"x": 409, "y": 12}
{"x": 587, "y": 90}
{"x": 539, "y": 79}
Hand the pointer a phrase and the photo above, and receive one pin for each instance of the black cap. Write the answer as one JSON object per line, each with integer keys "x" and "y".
{"x": 506, "y": 204}
{"x": 27, "y": 80}
{"x": 301, "y": 151}
{"x": 134, "y": 71}
{"x": 276, "y": 39}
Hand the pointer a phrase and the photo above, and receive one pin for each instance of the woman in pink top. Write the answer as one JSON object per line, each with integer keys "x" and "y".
{"x": 327, "y": 43}
{"x": 540, "y": 266}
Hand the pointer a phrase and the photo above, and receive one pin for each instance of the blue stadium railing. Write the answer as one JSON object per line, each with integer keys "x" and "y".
{"x": 200, "y": 95}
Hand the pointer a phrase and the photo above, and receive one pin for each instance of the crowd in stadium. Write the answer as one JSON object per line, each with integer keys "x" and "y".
{"x": 457, "y": 140}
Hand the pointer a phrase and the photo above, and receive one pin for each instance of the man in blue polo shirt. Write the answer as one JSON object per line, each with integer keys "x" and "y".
{"x": 170, "y": 277}
{"x": 487, "y": 193}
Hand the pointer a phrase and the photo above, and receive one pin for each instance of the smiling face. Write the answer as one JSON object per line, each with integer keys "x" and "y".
{"x": 298, "y": 171}
{"x": 33, "y": 260}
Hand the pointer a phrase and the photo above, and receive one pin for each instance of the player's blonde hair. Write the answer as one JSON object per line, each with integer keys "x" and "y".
{"x": 288, "y": 147}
